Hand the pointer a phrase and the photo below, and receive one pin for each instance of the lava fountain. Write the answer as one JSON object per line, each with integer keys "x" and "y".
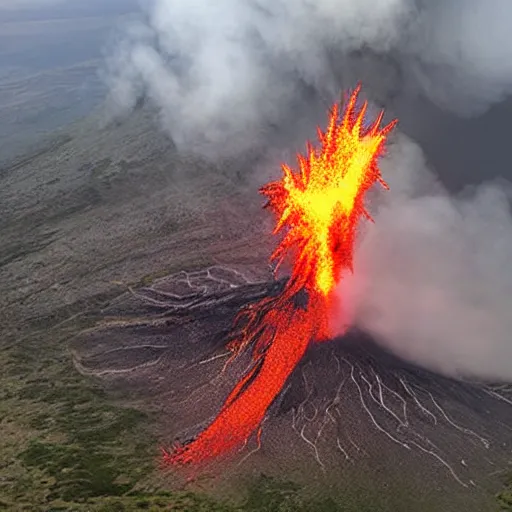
{"x": 318, "y": 208}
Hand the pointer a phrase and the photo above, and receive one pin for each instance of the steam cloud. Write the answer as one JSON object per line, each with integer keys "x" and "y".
{"x": 221, "y": 73}
{"x": 432, "y": 279}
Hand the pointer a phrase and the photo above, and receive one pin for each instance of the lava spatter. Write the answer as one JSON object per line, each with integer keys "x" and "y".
{"x": 318, "y": 208}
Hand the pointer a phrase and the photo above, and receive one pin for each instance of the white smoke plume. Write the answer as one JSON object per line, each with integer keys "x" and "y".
{"x": 221, "y": 73}
{"x": 432, "y": 278}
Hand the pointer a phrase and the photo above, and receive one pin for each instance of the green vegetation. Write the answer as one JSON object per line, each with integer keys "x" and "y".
{"x": 77, "y": 473}
{"x": 65, "y": 442}
{"x": 269, "y": 494}
{"x": 505, "y": 497}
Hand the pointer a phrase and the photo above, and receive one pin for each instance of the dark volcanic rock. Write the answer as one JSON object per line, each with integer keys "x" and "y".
{"x": 351, "y": 413}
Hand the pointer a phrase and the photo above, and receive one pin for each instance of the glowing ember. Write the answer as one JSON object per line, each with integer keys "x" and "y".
{"x": 319, "y": 207}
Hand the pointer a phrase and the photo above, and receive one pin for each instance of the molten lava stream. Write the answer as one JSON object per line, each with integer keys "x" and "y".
{"x": 243, "y": 413}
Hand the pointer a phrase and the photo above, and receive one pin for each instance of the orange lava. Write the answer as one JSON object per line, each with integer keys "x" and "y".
{"x": 319, "y": 208}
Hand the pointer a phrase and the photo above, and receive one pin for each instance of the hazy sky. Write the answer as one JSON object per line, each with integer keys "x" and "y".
{"x": 50, "y": 52}
{"x": 19, "y": 10}
{"x": 14, "y": 5}
{"x": 77, "y": 5}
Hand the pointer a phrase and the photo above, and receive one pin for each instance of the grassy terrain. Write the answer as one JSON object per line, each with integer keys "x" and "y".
{"x": 64, "y": 442}
{"x": 505, "y": 497}
{"x": 67, "y": 447}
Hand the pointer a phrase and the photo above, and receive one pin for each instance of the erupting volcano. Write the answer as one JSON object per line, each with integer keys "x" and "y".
{"x": 318, "y": 207}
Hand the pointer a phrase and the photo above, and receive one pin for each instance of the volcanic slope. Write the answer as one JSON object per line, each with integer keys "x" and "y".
{"x": 352, "y": 416}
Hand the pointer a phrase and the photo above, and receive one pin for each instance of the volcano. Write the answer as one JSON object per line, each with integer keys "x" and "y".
{"x": 350, "y": 409}
{"x": 105, "y": 213}
{"x": 244, "y": 365}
